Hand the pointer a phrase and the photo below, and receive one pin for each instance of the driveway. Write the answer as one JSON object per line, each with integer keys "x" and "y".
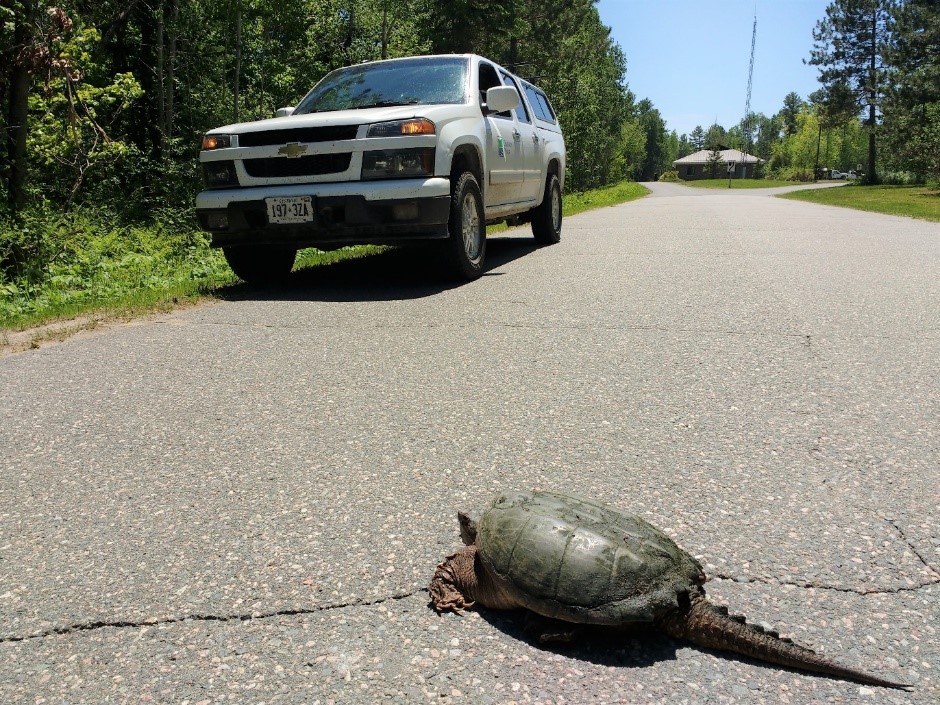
{"x": 245, "y": 501}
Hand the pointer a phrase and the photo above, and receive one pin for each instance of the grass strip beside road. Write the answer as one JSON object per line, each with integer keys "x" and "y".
{"x": 120, "y": 274}
{"x": 736, "y": 183}
{"x": 911, "y": 201}
{"x": 69, "y": 305}
{"x": 575, "y": 203}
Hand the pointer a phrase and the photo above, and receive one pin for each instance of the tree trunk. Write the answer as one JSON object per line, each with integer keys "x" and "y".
{"x": 18, "y": 109}
{"x": 384, "y": 31}
{"x": 159, "y": 15}
{"x": 150, "y": 78}
{"x": 238, "y": 55}
{"x": 872, "y": 177}
{"x": 171, "y": 67}
{"x": 816, "y": 164}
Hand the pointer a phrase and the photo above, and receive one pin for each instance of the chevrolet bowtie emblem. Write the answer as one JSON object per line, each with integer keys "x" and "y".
{"x": 294, "y": 149}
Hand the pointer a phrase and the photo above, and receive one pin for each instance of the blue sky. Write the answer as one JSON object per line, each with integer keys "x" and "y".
{"x": 690, "y": 57}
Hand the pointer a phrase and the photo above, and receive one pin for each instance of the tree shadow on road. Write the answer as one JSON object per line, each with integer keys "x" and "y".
{"x": 395, "y": 274}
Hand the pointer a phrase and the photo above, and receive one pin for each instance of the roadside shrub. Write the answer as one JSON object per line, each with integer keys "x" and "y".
{"x": 670, "y": 176}
{"x": 900, "y": 178}
{"x": 86, "y": 257}
{"x": 792, "y": 173}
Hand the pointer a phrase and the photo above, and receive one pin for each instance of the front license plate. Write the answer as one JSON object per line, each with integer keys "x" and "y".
{"x": 290, "y": 209}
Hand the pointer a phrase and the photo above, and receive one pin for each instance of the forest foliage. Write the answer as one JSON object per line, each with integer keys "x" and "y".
{"x": 103, "y": 103}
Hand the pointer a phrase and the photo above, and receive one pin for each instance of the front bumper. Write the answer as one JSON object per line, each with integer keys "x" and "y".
{"x": 384, "y": 212}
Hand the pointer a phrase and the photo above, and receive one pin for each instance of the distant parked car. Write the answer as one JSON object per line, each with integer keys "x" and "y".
{"x": 836, "y": 174}
{"x": 851, "y": 175}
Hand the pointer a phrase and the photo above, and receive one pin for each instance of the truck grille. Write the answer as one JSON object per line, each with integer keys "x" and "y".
{"x": 313, "y": 165}
{"x": 330, "y": 133}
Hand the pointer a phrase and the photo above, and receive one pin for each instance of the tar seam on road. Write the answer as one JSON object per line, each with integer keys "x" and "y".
{"x": 823, "y": 586}
{"x": 856, "y": 591}
{"x": 92, "y": 626}
{"x": 912, "y": 547}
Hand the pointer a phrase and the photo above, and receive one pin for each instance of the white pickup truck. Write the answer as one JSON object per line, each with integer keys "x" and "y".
{"x": 389, "y": 152}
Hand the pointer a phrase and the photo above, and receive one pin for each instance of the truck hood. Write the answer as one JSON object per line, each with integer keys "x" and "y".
{"x": 435, "y": 113}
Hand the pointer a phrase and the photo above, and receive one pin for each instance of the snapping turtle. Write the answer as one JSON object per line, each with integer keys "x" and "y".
{"x": 584, "y": 562}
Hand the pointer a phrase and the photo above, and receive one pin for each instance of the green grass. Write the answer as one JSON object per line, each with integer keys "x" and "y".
{"x": 574, "y": 203}
{"x": 737, "y": 183}
{"x": 600, "y": 198}
{"x": 87, "y": 269}
{"x": 100, "y": 272}
{"x": 910, "y": 201}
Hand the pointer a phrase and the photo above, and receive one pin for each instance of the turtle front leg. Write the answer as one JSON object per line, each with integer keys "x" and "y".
{"x": 455, "y": 581}
{"x": 462, "y": 580}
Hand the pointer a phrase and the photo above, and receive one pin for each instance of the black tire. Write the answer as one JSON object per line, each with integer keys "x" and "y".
{"x": 466, "y": 245}
{"x": 546, "y": 217}
{"x": 260, "y": 264}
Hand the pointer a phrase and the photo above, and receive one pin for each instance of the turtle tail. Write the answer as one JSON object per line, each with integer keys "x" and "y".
{"x": 706, "y": 625}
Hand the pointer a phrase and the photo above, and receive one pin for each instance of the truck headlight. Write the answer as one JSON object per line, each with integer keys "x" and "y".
{"x": 216, "y": 142}
{"x": 398, "y": 163}
{"x": 219, "y": 174}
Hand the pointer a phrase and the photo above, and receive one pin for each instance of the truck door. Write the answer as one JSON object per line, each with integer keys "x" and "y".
{"x": 504, "y": 157}
{"x": 528, "y": 143}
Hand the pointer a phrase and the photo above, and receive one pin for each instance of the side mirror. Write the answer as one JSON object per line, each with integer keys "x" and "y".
{"x": 499, "y": 99}
{"x": 284, "y": 112}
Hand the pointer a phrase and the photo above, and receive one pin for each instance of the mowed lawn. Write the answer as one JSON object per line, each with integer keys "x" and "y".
{"x": 736, "y": 183}
{"x": 911, "y": 201}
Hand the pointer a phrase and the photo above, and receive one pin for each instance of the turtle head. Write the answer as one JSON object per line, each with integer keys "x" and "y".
{"x": 468, "y": 528}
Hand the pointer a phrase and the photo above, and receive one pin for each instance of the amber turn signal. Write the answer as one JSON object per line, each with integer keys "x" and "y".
{"x": 216, "y": 141}
{"x": 421, "y": 126}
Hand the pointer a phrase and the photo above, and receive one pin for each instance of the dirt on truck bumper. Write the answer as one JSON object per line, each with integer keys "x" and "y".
{"x": 340, "y": 213}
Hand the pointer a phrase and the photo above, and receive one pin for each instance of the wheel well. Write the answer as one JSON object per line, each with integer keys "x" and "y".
{"x": 467, "y": 159}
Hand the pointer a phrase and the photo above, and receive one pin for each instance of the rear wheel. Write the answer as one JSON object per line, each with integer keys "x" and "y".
{"x": 466, "y": 245}
{"x": 546, "y": 217}
{"x": 260, "y": 264}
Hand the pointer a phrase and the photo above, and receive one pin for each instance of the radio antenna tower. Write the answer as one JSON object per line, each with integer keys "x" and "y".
{"x": 747, "y": 104}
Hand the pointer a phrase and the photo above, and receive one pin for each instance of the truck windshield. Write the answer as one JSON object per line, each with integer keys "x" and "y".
{"x": 419, "y": 81}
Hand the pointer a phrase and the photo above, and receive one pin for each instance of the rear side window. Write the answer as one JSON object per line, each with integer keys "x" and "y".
{"x": 541, "y": 106}
{"x": 522, "y": 115}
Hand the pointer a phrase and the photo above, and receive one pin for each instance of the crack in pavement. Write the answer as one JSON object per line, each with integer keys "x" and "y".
{"x": 823, "y": 586}
{"x": 119, "y": 624}
{"x": 912, "y": 547}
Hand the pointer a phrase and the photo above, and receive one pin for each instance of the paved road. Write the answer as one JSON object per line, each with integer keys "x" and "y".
{"x": 244, "y": 501}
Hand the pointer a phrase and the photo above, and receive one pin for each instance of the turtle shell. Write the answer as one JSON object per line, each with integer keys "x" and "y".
{"x": 582, "y": 561}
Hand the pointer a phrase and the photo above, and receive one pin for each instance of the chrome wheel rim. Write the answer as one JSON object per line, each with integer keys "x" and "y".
{"x": 470, "y": 227}
{"x": 556, "y": 209}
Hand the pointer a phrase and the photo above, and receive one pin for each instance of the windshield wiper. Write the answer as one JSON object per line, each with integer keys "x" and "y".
{"x": 387, "y": 104}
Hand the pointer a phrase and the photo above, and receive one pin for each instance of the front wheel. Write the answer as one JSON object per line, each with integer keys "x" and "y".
{"x": 466, "y": 244}
{"x": 546, "y": 217}
{"x": 260, "y": 264}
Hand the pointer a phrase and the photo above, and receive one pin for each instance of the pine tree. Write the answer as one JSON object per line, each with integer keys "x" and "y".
{"x": 792, "y": 105}
{"x": 848, "y": 46}
{"x": 912, "y": 100}
{"x": 716, "y": 163}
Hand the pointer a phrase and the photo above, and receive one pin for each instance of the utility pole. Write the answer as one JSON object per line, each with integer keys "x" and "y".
{"x": 747, "y": 104}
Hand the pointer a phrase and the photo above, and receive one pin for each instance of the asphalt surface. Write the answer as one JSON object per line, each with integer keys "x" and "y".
{"x": 245, "y": 501}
